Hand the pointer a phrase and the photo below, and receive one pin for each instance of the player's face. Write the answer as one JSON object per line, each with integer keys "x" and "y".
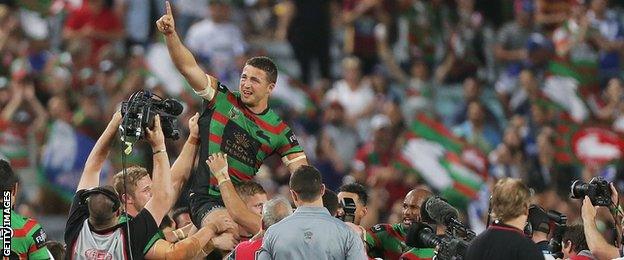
{"x": 256, "y": 202}
{"x": 359, "y": 207}
{"x": 254, "y": 87}
{"x": 411, "y": 208}
{"x": 142, "y": 193}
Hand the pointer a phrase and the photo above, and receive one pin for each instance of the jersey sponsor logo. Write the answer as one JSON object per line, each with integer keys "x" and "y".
{"x": 40, "y": 238}
{"x": 307, "y": 236}
{"x": 377, "y": 228}
{"x": 292, "y": 139}
{"x": 234, "y": 112}
{"x": 239, "y": 144}
{"x": 94, "y": 254}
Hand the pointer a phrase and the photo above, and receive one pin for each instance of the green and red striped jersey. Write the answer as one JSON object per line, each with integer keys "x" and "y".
{"x": 227, "y": 125}
{"x": 28, "y": 241}
{"x": 386, "y": 241}
{"x": 419, "y": 254}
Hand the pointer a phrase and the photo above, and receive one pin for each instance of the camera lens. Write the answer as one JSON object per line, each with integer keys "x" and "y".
{"x": 578, "y": 189}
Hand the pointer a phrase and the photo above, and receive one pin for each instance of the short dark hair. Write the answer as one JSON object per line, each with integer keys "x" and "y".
{"x": 57, "y": 249}
{"x": 249, "y": 188}
{"x": 576, "y": 235}
{"x": 265, "y": 64}
{"x": 307, "y": 182}
{"x": 330, "y": 201}
{"x": 101, "y": 207}
{"x": 356, "y": 188}
{"x": 8, "y": 179}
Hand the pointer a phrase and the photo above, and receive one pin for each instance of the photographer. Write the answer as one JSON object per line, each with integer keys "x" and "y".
{"x": 574, "y": 244}
{"x": 540, "y": 226}
{"x": 505, "y": 239}
{"x": 597, "y": 244}
{"x": 93, "y": 226}
{"x": 356, "y": 192}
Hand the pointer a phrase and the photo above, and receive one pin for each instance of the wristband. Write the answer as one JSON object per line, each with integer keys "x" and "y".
{"x": 159, "y": 151}
{"x": 224, "y": 180}
{"x": 193, "y": 140}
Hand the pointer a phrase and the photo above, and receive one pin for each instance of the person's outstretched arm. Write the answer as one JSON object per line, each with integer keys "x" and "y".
{"x": 91, "y": 174}
{"x": 163, "y": 199}
{"x": 204, "y": 85}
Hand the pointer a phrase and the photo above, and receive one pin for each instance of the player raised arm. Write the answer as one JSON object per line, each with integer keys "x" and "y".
{"x": 203, "y": 84}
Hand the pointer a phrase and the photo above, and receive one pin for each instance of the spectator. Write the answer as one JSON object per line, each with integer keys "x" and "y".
{"x": 94, "y": 23}
{"x": 222, "y": 54}
{"x": 338, "y": 139}
{"x": 311, "y": 232}
{"x": 476, "y": 131}
{"x": 610, "y": 39}
{"x": 273, "y": 212}
{"x": 309, "y": 34}
{"x": 510, "y": 50}
{"x": 354, "y": 93}
{"x": 504, "y": 239}
{"x": 574, "y": 244}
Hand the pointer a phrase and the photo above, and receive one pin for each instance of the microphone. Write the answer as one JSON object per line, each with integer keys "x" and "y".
{"x": 421, "y": 235}
{"x": 172, "y": 107}
{"x": 443, "y": 213}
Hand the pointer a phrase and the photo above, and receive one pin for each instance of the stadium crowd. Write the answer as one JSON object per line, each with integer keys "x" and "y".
{"x": 407, "y": 98}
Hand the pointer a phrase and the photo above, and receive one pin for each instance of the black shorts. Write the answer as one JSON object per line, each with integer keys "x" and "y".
{"x": 201, "y": 205}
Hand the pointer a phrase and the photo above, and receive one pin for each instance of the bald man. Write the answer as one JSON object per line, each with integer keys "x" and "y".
{"x": 387, "y": 241}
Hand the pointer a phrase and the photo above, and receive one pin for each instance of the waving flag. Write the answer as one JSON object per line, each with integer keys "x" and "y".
{"x": 440, "y": 159}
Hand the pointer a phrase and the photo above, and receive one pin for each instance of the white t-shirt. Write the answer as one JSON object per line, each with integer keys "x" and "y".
{"x": 221, "y": 43}
{"x": 354, "y": 101}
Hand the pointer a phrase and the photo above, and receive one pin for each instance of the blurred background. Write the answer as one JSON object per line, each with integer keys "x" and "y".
{"x": 393, "y": 94}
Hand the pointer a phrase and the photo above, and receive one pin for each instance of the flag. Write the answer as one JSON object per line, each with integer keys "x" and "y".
{"x": 439, "y": 158}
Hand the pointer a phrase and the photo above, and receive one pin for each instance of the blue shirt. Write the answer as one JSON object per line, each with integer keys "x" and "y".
{"x": 311, "y": 233}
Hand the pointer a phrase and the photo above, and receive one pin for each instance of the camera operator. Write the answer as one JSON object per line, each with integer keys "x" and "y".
{"x": 574, "y": 244}
{"x": 540, "y": 225}
{"x": 597, "y": 244}
{"x": 387, "y": 241}
{"x": 505, "y": 239}
{"x": 93, "y": 226}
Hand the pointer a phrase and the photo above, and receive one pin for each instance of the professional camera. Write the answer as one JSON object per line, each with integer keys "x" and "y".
{"x": 560, "y": 225}
{"x": 597, "y": 190}
{"x": 348, "y": 208}
{"x": 421, "y": 235}
{"x": 139, "y": 112}
{"x": 437, "y": 210}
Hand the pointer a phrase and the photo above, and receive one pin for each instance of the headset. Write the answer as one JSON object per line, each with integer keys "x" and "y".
{"x": 101, "y": 190}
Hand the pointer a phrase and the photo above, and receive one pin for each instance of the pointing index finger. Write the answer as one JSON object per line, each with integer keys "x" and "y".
{"x": 168, "y": 7}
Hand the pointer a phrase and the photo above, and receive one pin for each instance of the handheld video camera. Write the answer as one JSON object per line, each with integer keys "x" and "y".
{"x": 348, "y": 207}
{"x": 597, "y": 190}
{"x": 141, "y": 108}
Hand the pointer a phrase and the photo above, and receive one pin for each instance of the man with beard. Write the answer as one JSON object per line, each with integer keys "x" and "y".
{"x": 387, "y": 241}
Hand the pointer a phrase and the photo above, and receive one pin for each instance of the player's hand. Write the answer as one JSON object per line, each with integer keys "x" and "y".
{"x": 193, "y": 127}
{"x": 222, "y": 224}
{"x": 218, "y": 166}
{"x": 225, "y": 242}
{"x": 155, "y": 136}
{"x": 166, "y": 24}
